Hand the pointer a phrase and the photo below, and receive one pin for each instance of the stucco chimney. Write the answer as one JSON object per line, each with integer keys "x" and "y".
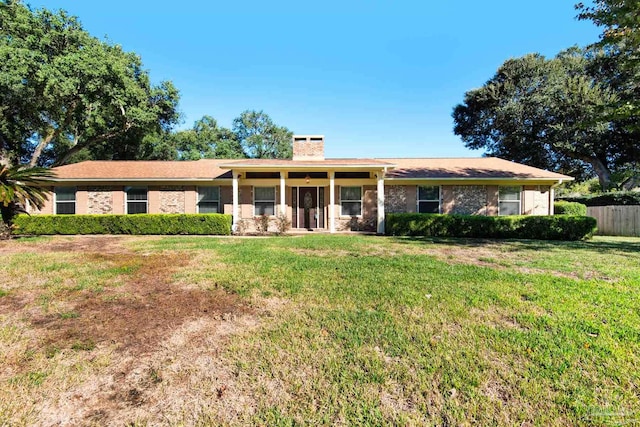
{"x": 308, "y": 147}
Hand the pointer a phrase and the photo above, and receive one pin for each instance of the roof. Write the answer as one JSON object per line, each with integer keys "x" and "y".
{"x": 207, "y": 169}
{"x": 467, "y": 168}
{"x": 143, "y": 169}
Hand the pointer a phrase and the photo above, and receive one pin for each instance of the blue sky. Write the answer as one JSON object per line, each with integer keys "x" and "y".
{"x": 377, "y": 78}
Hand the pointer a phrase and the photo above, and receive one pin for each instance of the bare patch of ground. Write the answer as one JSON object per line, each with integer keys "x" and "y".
{"x": 101, "y": 244}
{"x": 148, "y": 350}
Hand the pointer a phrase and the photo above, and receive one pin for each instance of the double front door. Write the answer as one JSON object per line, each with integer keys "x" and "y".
{"x": 308, "y": 205}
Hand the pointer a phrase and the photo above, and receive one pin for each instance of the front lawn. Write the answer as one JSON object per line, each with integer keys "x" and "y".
{"x": 319, "y": 329}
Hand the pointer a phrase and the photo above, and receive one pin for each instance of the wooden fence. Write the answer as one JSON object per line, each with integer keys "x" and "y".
{"x": 616, "y": 220}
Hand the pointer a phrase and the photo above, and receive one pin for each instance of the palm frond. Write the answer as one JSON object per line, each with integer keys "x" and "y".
{"x": 21, "y": 185}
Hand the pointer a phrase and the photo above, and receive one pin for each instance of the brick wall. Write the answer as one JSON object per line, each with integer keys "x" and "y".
{"x": 99, "y": 200}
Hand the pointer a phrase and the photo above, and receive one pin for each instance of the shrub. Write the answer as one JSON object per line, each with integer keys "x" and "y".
{"x": 569, "y": 208}
{"x": 216, "y": 224}
{"x": 283, "y": 224}
{"x": 262, "y": 224}
{"x": 557, "y": 227}
{"x": 608, "y": 199}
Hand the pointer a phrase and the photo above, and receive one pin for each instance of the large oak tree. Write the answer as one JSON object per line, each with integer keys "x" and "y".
{"x": 548, "y": 113}
{"x": 66, "y": 94}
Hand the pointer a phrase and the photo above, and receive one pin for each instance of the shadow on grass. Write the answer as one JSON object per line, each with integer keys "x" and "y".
{"x": 599, "y": 245}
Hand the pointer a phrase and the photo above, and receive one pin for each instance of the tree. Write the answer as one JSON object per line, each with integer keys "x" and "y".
{"x": 620, "y": 20}
{"x": 206, "y": 140}
{"x": 260, "y": 138}
{"x": 549, "y": 114}
{"x": 64, "y": 93}
{"x": 21, "y": 186}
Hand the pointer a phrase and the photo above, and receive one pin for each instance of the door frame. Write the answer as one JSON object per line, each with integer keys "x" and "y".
{"x": 318, "y": 208}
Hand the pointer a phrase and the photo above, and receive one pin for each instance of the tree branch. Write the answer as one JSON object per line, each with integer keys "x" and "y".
{"x": 80, "y": 145}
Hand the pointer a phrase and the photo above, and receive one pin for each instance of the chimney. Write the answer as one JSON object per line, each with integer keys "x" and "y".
{"x": 308, "y": 147}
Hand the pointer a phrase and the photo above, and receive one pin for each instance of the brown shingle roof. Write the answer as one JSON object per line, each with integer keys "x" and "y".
{"x": 142, "y": 169}
{"x": 470, "y": 168}
{"x": 411, "y": 168}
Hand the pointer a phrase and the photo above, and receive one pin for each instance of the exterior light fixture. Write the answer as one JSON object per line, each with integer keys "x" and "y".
{"x": 307, "y": 178}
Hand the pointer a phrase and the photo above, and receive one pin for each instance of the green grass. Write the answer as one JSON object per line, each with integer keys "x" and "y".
{"x": 372, "y": 330}
{"x": 384, "y": 331}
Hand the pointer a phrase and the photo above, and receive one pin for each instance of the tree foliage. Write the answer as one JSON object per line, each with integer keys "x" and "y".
{"x": 620, "y": 20}
{"x": 64, "y": 92}
{"x": 548, "y": 113}
{"x": 254, "y": 135}
{"x": 205, "y": 140}
{"x": 261, "y": 138}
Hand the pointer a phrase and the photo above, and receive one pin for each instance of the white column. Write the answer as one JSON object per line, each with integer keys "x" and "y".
{"x": 283, "y": 203}
{"x": 332, "y": 198}
{"x": 552, "y": 196}
{"x": 381, "y": 202}
{"x": 235, "y": 211}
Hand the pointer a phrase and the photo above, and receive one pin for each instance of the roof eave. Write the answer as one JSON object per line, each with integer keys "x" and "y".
{"x": 502, "y": 178}
{"x": 149, "y": 179}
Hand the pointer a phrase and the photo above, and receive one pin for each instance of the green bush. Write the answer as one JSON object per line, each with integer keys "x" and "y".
{"x": 608, "y": 199}
{"x": 557, "y": 227}
{"x": 562, "y": 207}
{"x": 216, "y": 224}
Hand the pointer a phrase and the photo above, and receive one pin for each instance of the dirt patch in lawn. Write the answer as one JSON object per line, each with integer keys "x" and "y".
{"x": 98, "y": 244}
{"x": 148, "y": 344}
{"x": 133, "y": 317}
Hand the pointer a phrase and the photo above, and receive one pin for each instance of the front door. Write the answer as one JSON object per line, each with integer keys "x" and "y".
{"x": 308, "y": 207}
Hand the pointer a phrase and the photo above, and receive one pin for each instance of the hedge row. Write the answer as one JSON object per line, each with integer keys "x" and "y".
{"x": 569, "y": 208}
{"x": 217, "y": 224}
{"x": 557, "y": 227}
{"x": 608, "y": 199}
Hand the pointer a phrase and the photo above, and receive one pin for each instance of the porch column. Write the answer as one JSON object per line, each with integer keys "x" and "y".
{"x": 283, "y": 203}
{"x": 235, "y": 212}
{"x": 332, "y": 198}
{"x": 380, "y": 202}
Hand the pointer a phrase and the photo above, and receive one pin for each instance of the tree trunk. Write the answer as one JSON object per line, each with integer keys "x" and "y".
{"x": 603, "y": 172}
{"x": 41, "y": 146}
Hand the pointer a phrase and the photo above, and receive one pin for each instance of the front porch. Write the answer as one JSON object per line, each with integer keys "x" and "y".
{"x": 310, "y": 198}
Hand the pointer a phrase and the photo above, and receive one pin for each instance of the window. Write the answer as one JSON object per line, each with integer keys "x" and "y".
{"x": 509, "y": 201}
{"x": 351, "y": 201}
{"x": 136, "y": 200}
{"x": 208, "y": 200}
{"x": 65, "y": 200}
{"x": 264, "y": 200}
{"x": 429, "y": 199}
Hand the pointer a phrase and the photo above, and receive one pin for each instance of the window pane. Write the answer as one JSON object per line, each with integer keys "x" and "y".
{"x": 65, "y": 208}
{"x": 208, "y": 193}
{"x": 429, "y": 207}
{"x": 66, "y": 193}
{"x": 265, "y": 208}
{"x": 136, "y": 207}
{"x": 509, "y": 208}
{"x": 208, "y": 207}
{"x": 429, "y": 193}
{"x": 509, "y": 193}
{"x": 351, "y": 208}
{"x": 350, "y": 193}
{"x": 265, "y": 193}
{"x": 137, "y": 194}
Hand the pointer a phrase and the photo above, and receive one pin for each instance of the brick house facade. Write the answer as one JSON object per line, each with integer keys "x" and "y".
{"x": 313, "y": 192}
